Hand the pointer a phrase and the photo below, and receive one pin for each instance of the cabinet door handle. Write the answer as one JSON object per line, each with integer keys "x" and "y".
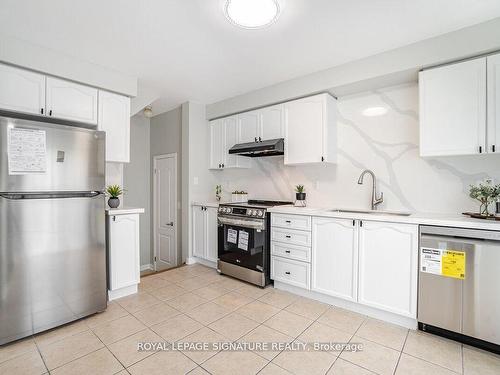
{"x": 287, "y": 251}
{"x": 260, "y": 140}
{"x": 480, "y": 149}
{"x": 361, "y": 223}
{"x": 287, "y": 236}
{"x": 493, "y": 148}
{"x": 287, "y": 273}
{"x": 41, "y": 111}
{"x": 50, "y": 113}
{"x": 353, "y": 223}
{"x": 114, "y": 218}
{"x": 288, "y": 221}
{"x": 255, "y": 139}
{"x": 223, "y": 165}
{"x": 171, "y": 224}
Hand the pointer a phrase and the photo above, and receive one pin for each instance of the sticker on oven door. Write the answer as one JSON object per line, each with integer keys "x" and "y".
{"x": 243, "y": 240}
{"x": 448, "y": 263}
{"x": 232, "y": 235}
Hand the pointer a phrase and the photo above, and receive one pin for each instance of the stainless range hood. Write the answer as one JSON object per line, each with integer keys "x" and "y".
{"x": 271, "y": 147}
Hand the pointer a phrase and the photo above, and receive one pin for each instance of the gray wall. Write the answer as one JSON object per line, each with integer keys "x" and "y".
{"x": 166, "y": 138}
{"x": 136, "y": 181}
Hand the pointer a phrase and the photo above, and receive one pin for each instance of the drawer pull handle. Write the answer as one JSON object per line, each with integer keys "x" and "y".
{"x": 287, "y": 251}
{"x": 287, "y": 236}
{"x": 287, "y": 273}
{"x": 288, "y": 221}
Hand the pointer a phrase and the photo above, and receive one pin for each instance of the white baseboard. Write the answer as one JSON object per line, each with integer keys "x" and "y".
{"x": 146, "y": 267}
{"x": 353, "y": 306}
{"x": 194, "y": 260}
{"x": 122, "y": 292}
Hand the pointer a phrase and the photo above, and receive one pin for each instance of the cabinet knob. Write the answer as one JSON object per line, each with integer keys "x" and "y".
{"x": 41, "y": 111}
{"x": 287, "y": 273}
{"x": 222, "y": 165}
{"x": 255, "y": 139}
{"x": 50, "y": 113}
{"x": 171, "y": 224}
{"x": 480, "y": 149}
{"x": 287, "y": 236}
{"x": 288, "y": 221}
{"x": 287, "y": 251}
{"x": 260, "y": 140}
{"x": 493, "y": 148}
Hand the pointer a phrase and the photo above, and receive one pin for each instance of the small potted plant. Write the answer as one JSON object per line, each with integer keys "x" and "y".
{"x": 218, "y": 192}
{"x": 486, "y": 194}
{"x": 300, "y": 196}
{"x": 114, "y": 191}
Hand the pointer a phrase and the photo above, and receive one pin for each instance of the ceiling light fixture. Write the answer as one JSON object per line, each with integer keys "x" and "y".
{"x": 252, "y": 14}
{"x": 148, "y": 111}
{"x": 374, "y": 111}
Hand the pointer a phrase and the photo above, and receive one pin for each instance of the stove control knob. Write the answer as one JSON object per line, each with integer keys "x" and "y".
{"x": 260, "y": 213}
{"x": 250, "y": 212}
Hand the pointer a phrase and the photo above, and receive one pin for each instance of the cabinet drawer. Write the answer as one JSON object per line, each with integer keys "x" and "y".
{"x": 291, "y": 251}
{"x": 291, "y": 221}
{"x": 290, "y": 271}
{"x": 291, "y": 236}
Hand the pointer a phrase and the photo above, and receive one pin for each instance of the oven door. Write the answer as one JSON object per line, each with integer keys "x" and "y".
{"x": 242, "y": 241}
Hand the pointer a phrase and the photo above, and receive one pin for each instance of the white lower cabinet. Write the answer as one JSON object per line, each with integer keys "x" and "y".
{"x": 335, "y": 257}
{"x": 290, "y": 271}
{"x": 388, "y": 265}
{"x": 124, "y": 254}
{"x": 371, "y": 263}
{"x": 204, "y": 234}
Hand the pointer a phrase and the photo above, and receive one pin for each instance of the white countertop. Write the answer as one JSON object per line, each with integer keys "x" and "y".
{"x": 446, "y": 220}
{"x": 124, "y": 211}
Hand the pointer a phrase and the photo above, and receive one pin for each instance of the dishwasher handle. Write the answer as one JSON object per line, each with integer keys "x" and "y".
{"x": 480, "y": 234}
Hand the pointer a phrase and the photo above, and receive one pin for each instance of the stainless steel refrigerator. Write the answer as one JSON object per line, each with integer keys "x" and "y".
{"x": 52, "y": 226}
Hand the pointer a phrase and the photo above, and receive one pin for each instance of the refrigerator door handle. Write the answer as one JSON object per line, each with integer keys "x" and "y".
{"x": 55, "y": 195}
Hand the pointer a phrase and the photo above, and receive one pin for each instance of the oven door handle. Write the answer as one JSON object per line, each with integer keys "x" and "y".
{"x": 242, "y": 222}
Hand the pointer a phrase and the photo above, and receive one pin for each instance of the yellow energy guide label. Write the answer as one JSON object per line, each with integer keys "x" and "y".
{"x": 449, "y": 263}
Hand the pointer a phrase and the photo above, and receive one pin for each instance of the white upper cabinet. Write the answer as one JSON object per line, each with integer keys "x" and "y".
{"x": 230, "y": 131}
{"x": 71, "y": 101}
{"x": 311, "y": 130}
{"x": 493, "y": 131}
{"x": 114, "y": 119}
{"x": 249, "y": 127}
{"x": 216, "y": 143}
{"x": 272, "y": 122}
{"x": 335, "y": 257}
{"x": 224, "y": 134}
{"x": 388, "y": 265}
{"x": 21, "y": 90}
{"x": 453, "y": 109}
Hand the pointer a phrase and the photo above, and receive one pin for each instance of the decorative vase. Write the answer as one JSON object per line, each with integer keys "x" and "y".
{"x": 300, "y": 199}
{"x": 113, "y": 202}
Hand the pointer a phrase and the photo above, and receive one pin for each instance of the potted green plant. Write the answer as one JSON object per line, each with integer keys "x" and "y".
{"x": 486, "y": 194}
{"x": 218, "y": 192}
{"x": 114, "y": 191}
{"x": 300, "y": 196}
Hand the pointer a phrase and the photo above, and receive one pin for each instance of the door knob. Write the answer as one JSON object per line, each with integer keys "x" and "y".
{"x": 171, "y": 224}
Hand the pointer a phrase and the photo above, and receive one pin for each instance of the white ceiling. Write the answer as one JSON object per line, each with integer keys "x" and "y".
{"x": 189, "y": 51}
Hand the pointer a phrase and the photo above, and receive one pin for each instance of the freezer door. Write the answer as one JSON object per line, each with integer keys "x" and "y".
{"x": 75, "y": 159}
{"x": 481, "y": 293}
{"x": 439, "y": 297}
{"x": 52, "y": 261}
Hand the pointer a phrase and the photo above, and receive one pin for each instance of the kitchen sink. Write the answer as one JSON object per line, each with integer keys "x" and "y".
{"x": 375, "y": 212}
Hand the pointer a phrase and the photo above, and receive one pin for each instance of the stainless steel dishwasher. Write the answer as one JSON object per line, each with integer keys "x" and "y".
{"x": 459, "y": 284}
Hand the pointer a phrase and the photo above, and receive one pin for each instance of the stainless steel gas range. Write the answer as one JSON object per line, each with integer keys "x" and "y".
{"x": 244, "y": 240}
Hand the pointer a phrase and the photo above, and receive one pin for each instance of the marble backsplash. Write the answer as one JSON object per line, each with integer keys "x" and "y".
{"x": 386, "y": 144}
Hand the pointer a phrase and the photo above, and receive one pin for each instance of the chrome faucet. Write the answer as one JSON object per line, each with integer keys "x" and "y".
{"x": 375, "y": 200}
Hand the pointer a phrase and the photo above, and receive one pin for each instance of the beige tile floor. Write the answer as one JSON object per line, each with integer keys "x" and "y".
{"x": 194, "y": 304}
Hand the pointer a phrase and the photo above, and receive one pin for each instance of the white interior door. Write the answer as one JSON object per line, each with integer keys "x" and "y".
{"x": 165, "y": 211}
